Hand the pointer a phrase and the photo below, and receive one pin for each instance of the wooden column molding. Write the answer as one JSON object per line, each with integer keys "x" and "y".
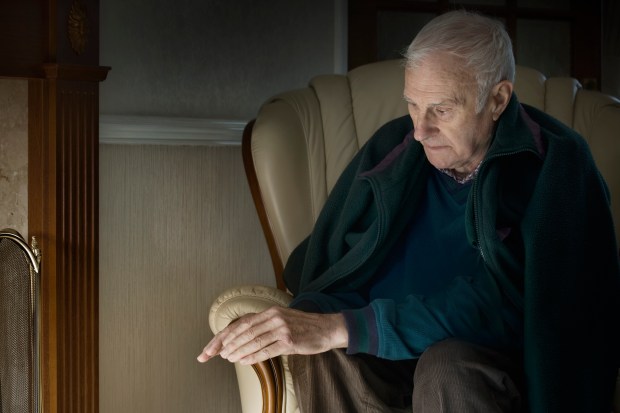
{"x": 55, "y": 45}
{"x": 63, "y": 214}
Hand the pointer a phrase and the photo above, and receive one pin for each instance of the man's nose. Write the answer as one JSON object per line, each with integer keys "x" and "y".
{"x": 422, "y": 128}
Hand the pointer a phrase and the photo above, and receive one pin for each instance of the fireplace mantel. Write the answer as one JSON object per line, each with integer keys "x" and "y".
{"x": 55, "y": 45}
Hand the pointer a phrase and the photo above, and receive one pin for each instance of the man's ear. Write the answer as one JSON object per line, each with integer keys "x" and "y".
{"x": 500, "y": 96}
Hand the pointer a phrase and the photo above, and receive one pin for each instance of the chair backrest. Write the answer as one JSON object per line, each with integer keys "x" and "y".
{"x": 301, "y": 140}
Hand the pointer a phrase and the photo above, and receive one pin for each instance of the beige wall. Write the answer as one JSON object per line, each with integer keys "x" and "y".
{"x": 14, "y": 155}
{"x": 177, "y": 226}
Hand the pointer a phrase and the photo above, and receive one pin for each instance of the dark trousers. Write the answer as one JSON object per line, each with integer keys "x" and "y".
{"x": 450, "y": 376}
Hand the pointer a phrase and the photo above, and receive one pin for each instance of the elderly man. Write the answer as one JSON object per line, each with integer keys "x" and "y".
{"x": 464, "y": 262}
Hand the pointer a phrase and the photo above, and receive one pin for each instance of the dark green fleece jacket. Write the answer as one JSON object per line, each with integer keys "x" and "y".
{"x": 539, "y": 214}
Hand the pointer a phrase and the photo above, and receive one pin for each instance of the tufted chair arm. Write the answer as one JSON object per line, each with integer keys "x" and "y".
{"x": 265, "y": 387}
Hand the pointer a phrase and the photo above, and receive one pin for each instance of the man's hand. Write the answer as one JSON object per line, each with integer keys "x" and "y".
{"x": 276, "y": 331}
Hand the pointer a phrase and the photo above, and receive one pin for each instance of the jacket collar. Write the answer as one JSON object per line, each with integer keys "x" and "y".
{"x": 516, "y": 132}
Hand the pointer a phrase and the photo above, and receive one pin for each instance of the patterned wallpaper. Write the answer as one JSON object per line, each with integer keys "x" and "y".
{"x": 177, "y": 228}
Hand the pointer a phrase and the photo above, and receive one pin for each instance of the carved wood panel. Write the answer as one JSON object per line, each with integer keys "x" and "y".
{"x": 63, "y": 214}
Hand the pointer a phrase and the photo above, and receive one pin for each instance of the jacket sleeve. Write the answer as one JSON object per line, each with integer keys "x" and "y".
{"x": 472, "y": 308}
{"x": 572, "y": 285}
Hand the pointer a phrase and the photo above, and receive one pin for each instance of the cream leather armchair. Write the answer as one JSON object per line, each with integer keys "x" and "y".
{"x": 300, "y": 142}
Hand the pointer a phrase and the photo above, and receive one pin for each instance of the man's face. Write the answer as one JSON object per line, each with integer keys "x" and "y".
{"x": 441, "y": 98}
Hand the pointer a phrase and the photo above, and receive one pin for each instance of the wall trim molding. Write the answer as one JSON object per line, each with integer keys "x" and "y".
{"x": 161, "y": 130}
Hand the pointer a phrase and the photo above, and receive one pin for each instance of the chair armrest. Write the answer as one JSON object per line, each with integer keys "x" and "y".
{"x": 238, "y": 301}
{"x": 265, "y": 387}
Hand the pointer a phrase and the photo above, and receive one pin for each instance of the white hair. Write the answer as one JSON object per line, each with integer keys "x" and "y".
{"x": 480, "y": 41}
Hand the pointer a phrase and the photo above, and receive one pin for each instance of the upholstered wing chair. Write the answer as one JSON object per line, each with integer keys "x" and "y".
{"x": 300, "y": 142}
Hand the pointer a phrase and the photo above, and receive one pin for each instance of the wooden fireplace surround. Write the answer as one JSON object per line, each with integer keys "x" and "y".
{"x": 54, "y": 44}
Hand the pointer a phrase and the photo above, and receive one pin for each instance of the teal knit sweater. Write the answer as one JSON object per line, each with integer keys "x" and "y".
{"x": 539, "y": 215}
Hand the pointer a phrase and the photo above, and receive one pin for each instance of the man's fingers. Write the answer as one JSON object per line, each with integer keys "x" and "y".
{"x": 255, "y": 345}
{"x": 224, "y": 337}
{"x": 211, "y": 350}
{"x": 273, "y": 350}
{"x": 277, "y": 331}
{"x": 248, "y": 330}
{"x": 215, "y": 346}
{"x": 203, "y": 357}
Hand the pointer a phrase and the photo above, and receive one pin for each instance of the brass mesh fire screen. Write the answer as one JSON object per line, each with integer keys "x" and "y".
{"x": 19, "y": 325}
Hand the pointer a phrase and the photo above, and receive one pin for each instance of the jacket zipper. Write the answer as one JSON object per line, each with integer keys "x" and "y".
{"x": 378, "y": 239}
{"x": 476, "y": 193}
